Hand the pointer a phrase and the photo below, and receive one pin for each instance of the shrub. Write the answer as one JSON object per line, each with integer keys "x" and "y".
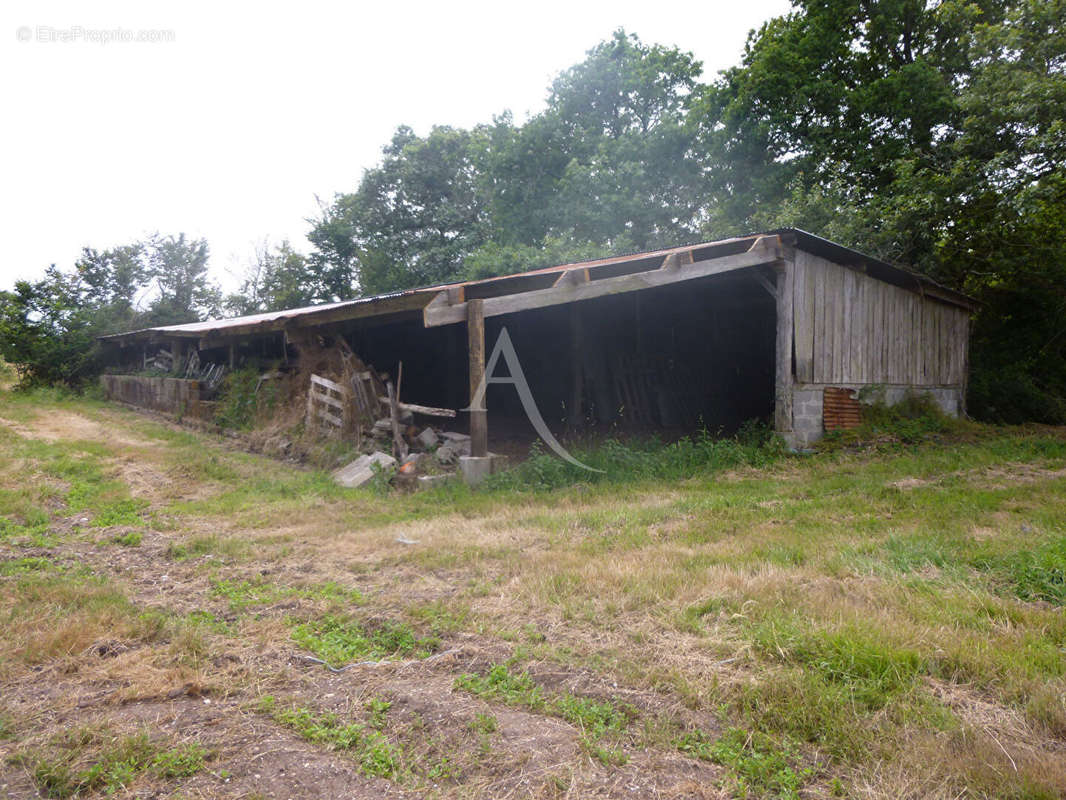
{"x": 243, "y": 399}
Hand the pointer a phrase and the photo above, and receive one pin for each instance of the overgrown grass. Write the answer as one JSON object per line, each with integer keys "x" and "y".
{"x": 244, "y": 398}
{"x": 63, "y": 477}
{"x": 245, "y": 594}
{"x": 596, "y": 720}
{"x": 615, "y": 461}
{"x": 758, "y": 766}
{"x": 376, "y": 756}
{"x": 338, "y": 640}
{"x": 855, "y": 614}
{"x": 914, "y": 419}
{"x": 85, "y": 761}
{"x": 46, "y": 613}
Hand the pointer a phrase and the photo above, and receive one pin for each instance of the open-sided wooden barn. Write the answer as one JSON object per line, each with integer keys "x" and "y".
{"x": 782, "y": 326}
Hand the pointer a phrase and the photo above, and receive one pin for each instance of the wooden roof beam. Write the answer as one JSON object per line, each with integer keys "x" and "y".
{"x": 442, "y": 312}
{"x": 572, "y": 277}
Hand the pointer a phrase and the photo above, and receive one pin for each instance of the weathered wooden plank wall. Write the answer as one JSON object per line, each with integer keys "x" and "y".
{"x": 853, "y": 329}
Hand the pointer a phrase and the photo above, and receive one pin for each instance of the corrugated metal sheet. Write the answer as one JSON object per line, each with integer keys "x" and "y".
{"x": 840, "y": 409}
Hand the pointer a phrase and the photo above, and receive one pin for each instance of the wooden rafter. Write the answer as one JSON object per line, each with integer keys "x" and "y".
{"x": 766, "y": 250}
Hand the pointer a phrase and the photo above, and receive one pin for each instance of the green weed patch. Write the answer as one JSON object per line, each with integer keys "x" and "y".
{"x": 376, "y": 756}
{"x": 339, "y": 641}
{"x": 758, "y": 765}
{"x": 599, "y": 722}
{"x": 85, "y": 761}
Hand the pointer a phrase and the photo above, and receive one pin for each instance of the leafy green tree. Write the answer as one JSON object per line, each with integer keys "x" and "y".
{"x": 278, "y": 279}
{"x": 412, "y": 219}
{"x": 177, "y": 267}
{"x": 493, "y": 259}
{"x": 633, "y": 179}
{"x": 112, "y": 277}
{"x": 930, "y": 134}
{"x": 608, "y": 166}
{"x": 831, "y": 97}
{"x": 49, "y": 327}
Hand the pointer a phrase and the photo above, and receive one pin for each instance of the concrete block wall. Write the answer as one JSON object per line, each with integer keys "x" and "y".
{"x": 170, "y": 395}
{"x": 807, "y": 406}
{"x": 806, "y": 417}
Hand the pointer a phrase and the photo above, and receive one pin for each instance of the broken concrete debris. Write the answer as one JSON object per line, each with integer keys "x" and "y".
{"x": 362, "y": 469}
{"x": 446, "y": 455}
{"x": 454, "y": 446}
{"x": 365, "y": 406}
{"x": 433, "y": 449}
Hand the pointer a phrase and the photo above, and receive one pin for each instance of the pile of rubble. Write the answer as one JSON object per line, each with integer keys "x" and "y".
{"x": 359, "y": 404}
{"x": 432, "y": 456}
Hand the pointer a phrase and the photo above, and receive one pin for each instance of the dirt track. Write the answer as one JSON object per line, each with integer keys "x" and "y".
{"x": 203, "y": 686}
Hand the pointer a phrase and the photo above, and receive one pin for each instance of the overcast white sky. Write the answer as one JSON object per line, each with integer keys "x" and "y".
{"x": 230, "y": 130}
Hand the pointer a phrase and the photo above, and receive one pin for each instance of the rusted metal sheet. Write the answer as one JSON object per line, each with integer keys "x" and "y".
{"x": 840, "y": 409}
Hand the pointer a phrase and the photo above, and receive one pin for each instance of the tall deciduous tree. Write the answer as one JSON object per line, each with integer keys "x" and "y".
{"x": 185, "y": 291}
{"x": 278, "y": 278}
{"x": 608, "y": 165}
{"x": 49, "y": 327}
{"x": 413, "y": 218}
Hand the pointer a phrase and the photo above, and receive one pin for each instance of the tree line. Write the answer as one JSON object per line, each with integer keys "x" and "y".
{"x": 929, "y": 134}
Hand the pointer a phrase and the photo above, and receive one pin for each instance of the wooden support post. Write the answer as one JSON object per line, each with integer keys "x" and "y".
{"x": 475, "y": 335}
{"x": 177, "y": 349}
{"x": 232, "y": 356}
{"x": 577, "y": 388}
{"x": 399, "y": 446}
{"x": 783, "y": 357}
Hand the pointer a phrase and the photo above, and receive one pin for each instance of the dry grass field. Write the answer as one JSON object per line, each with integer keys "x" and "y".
{"x": 179, "y": 618}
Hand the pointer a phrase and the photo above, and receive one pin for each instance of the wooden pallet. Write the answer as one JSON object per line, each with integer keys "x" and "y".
{"x": 327, "y": 405}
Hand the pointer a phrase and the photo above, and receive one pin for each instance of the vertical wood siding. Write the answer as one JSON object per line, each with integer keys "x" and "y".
{"x": 850, "y": 328}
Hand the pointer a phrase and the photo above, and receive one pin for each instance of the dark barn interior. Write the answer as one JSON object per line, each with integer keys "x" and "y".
{"x": 678, "y": 357}
{"x": 671, "y": 359}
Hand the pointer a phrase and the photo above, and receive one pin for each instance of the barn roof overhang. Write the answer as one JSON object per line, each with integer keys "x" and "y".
{"x": 539, "y": 288}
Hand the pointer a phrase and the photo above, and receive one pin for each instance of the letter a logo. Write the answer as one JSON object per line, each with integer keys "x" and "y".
{"x": 518, "y": 378}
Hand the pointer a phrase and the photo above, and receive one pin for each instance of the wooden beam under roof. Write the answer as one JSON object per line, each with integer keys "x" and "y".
{"x": 766, "y": 250}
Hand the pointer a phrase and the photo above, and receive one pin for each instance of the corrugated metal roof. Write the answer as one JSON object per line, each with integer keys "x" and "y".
{"x": 251, "y": 319}
{"x": 275, "y": 320}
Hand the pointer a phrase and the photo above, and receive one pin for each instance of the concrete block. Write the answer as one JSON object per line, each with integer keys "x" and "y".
{"x": 446, "y": 454}
{"x": 428, "y": 438}
{"x": 361, "y": 470}
{"x": 475, "y": 468}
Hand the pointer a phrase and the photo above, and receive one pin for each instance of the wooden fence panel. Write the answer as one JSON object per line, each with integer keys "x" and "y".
{"x": 328, "y": 405}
